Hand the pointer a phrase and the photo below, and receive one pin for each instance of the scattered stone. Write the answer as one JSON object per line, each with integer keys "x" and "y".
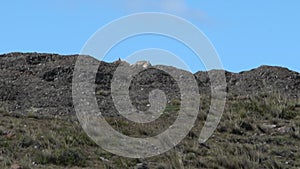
{"x": 15, "y": 166}
{"x": 9, "y": 134}
{"x": 104, "y": 159}
{"x": 141, "y": 166}
{"x": 285, "y": 129}
{"x": 144, "y": 64}
{"x": 269, "y": 126}
{"x": 266, "y": 128}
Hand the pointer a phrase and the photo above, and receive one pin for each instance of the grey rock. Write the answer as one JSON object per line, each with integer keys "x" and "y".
{"x": 43, "y": 82}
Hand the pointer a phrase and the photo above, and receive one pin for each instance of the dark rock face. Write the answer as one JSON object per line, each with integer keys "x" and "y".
{"x": 43, "y": 83}
{"x": 36, "y": 82}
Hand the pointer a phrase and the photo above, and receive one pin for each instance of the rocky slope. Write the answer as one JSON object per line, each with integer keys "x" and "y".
{"x": 259, "y": 128}
{"x": 42, "y": 83}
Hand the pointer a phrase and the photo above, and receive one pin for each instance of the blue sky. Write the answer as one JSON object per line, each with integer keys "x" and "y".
{"x": 246, "y": 34}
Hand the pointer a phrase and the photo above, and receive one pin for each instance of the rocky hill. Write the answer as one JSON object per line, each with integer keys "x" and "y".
{"x": 36, "y": 82}
{"x": 259, "y": 128}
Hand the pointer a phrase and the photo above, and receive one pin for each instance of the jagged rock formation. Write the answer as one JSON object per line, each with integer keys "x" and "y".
{"x": 43, "y": 83}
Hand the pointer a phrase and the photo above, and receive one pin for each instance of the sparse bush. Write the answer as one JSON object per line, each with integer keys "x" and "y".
{"x": 26, "y": 141}
{"x": 62, "y": 157}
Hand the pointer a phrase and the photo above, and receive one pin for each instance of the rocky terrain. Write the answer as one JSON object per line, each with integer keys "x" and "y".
{"x": 42, "y": 82}
{"x": 259, "y": 127}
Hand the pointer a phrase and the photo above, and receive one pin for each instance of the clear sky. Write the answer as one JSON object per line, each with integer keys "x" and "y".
{"x": 246, "y": 34}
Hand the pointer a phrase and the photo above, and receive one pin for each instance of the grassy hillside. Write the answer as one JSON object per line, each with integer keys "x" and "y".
{"x": 255, "y": 132}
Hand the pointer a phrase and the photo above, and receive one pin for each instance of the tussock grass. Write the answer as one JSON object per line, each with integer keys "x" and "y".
{"x": 243, "y": 139}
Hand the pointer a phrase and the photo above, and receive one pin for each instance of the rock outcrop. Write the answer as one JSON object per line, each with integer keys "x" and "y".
{"x": 42, "y": 83}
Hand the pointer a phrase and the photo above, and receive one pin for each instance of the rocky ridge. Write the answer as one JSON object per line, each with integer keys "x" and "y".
{"x": 42, "y": 83}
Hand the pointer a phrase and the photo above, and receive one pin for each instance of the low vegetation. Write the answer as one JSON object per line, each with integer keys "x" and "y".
{"x": 255, "y": 132}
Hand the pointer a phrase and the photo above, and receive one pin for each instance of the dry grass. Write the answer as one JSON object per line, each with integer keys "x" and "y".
{"x": 242, "y": 139}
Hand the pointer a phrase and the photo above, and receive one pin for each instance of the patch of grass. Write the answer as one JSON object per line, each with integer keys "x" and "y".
{"x": 172, "y": 108}
{"x": 57, "y": 143}
{"x": 62, "y": 157}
